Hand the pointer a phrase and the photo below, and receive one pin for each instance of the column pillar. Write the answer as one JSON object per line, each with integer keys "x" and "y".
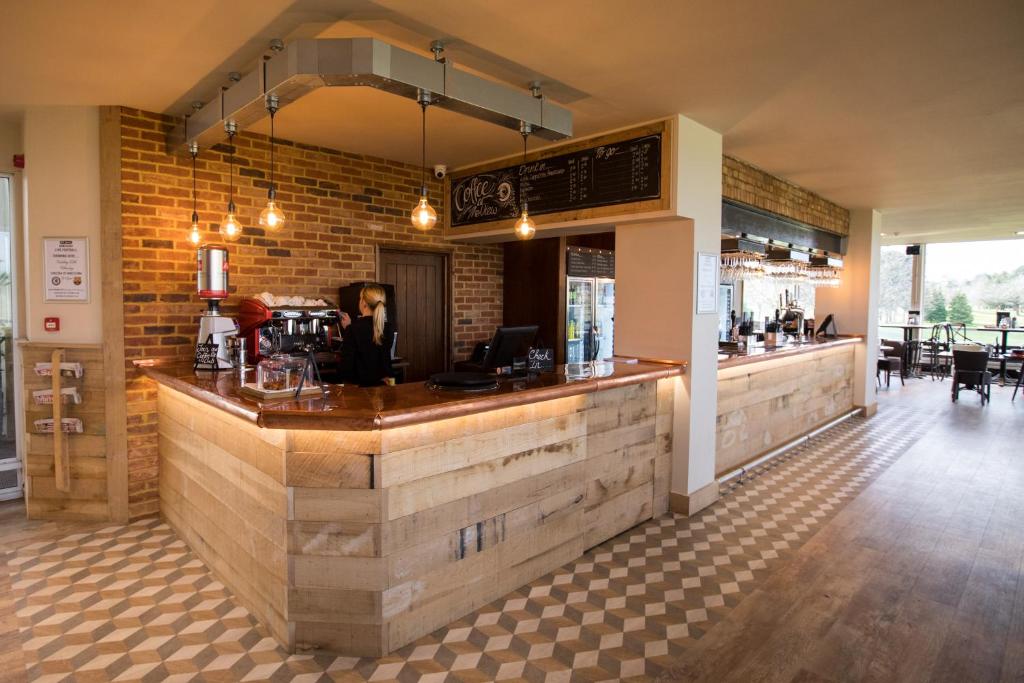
{"x": 655, "y": 307}
{"x": 855, "y": 302}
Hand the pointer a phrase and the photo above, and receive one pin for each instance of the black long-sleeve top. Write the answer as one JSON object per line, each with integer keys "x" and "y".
{"x": 363, "y": 362}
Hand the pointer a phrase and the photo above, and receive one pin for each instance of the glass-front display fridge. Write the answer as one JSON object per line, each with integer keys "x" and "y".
{"x": 590, "y": 305}
{"x": 604, "y": 319}
{"x": 579, "y": 319}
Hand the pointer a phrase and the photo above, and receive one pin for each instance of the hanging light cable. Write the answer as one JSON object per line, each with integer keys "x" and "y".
{"x": 272, "y": 218}
{"x": 230, "y": 228}
{"x": 525, "y": 228}
{"x": 194, "y": 235}
{"x": 423, "y": 217}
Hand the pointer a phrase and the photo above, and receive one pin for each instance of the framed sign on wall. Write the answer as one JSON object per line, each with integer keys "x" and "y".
{"x": 707, "y": 283}
{"x": 66, "y": 269}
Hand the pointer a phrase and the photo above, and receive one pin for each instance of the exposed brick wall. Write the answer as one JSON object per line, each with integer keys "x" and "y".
{"x": 750, "y": 185}
{"x": 338, "y": 206}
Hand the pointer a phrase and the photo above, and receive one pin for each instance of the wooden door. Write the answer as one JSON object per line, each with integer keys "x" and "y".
{"x": 420, "y": 279}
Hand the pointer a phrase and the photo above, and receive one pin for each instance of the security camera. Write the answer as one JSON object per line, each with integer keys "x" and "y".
{"x": 440, "y": 171}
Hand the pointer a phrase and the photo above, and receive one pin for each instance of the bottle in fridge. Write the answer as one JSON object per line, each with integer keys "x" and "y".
{"x": 579, "y": 315}
{"x": 604, "y": 319}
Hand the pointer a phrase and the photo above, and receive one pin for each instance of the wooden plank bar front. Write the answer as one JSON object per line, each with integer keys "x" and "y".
{"x": 768, "y": 399}
{"x": 360, "y": 541}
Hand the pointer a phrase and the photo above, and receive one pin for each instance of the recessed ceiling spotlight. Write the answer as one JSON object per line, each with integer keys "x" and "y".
{"x": 881, "y": 234}
{"x": 1019, "y": 233}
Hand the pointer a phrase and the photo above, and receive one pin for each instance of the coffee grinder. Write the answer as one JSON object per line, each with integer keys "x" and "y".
{"x": 212, "y": 285}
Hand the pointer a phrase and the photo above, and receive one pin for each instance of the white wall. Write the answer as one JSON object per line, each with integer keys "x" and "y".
{"x": 855, "y": 302}
{"x": 655, "y": 301}
{"x": 62, "y": 188}
{"x": 10, "y": 141}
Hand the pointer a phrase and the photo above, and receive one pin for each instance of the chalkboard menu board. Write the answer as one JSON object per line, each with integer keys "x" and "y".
{"x": 587, "y": 262}
{"x": 616, "y": 173}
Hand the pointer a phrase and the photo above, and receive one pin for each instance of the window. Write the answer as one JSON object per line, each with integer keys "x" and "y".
{"x": 970, "y": 282}
{"x": 761, "y": 296}
{"x": 896, "y": 271}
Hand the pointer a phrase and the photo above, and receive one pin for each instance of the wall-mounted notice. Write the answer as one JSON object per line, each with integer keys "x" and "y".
{"x": 707, "y": 283}
{"x": 66, "y": 268}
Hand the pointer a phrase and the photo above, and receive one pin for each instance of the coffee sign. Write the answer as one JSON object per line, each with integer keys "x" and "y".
{"x": 206, "y": 355}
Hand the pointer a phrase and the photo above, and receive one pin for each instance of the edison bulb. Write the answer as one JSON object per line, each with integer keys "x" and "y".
{"x": 230, "y": 228}
{"x": 194, "y": 236}
{"x": 525, "y": 227}
{"x": 272, "y": 217}
{"x": 423, "y": 215}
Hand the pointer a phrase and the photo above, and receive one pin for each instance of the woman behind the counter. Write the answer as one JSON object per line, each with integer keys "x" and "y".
{"x": 366, "y": 350}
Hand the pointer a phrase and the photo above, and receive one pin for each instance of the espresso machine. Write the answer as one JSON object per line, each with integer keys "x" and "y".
{"x": 293, "y": 330}
{"x": 212, "y": 286}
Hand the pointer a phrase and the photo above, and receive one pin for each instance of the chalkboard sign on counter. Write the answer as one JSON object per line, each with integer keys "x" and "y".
{"x": 206, "y": 355}
{"x": 540, "y": 360}
{"x": 587, "y": 262}
{"x": 614, "y": 173}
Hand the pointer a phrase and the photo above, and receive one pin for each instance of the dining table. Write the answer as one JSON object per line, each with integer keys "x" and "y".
{"x": 1004, "y": 359}
{"x": 1004, "y": 335}
{"x": 908, "y": 330}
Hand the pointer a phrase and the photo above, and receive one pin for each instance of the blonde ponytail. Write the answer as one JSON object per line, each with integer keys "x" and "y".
{"x": 376, "y": 300}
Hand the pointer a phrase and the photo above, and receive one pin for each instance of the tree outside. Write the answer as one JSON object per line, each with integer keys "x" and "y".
{"x": 935, "y": 309}
{"x": 896, "y": 273}
{"x": 960, "y": 310}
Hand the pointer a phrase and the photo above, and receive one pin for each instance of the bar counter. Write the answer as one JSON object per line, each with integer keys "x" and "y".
{"x": 355, "y": 408}
{"x": 768, "y": 397}
{"x": 757, "y": 353}
{"x": 363, "y": 524}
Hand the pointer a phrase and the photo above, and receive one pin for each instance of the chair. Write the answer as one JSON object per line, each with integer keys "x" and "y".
{"x": 891, "y": 362}
{"x": 932, "y": 351}
{"x": 958, "y": 330}
{"x": 1020, "y": 383}
{"x": 970, "y": 368}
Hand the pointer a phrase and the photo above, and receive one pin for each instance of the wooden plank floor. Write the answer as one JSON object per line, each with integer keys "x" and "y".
{"x": 918, "y": 577}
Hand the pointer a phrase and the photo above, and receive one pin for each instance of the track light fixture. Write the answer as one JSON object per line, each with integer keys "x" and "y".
{"x": 423, "y": 216}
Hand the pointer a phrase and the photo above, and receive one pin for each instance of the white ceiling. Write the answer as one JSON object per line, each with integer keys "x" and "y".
{"x": 915, "y": 108}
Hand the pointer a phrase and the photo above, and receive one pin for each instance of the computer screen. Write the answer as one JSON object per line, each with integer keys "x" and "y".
{"x": 509, "y": 343}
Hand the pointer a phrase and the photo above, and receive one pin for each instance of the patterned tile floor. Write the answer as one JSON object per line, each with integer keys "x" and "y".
{"x": 131, "y": 603}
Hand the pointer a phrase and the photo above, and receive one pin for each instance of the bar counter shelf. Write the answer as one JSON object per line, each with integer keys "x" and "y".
{"x": 364, "y": 521}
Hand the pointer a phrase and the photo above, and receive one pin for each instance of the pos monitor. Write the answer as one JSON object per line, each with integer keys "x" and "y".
{"x": 827, "y": 327}
{"x": 509, "y": 343}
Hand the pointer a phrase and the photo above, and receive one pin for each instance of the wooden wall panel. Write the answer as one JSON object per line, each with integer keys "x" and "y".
{"x": 88, "y": 497}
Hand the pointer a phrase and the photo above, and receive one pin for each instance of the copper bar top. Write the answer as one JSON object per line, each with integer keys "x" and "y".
{"x": 353, "y": 408}
{"x": 757, "y": 353}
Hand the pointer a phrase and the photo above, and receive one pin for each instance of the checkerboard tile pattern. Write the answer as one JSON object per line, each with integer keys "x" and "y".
{"x": 132, "y": 603}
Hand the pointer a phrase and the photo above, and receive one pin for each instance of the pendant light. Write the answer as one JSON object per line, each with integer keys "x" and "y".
{"x": 230, "y": 228}
{"x": 194, "y": 236}
{"x": 272, "y": 218}
{"x": 525, "y": 228}
{"x": 423, "y": 215}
